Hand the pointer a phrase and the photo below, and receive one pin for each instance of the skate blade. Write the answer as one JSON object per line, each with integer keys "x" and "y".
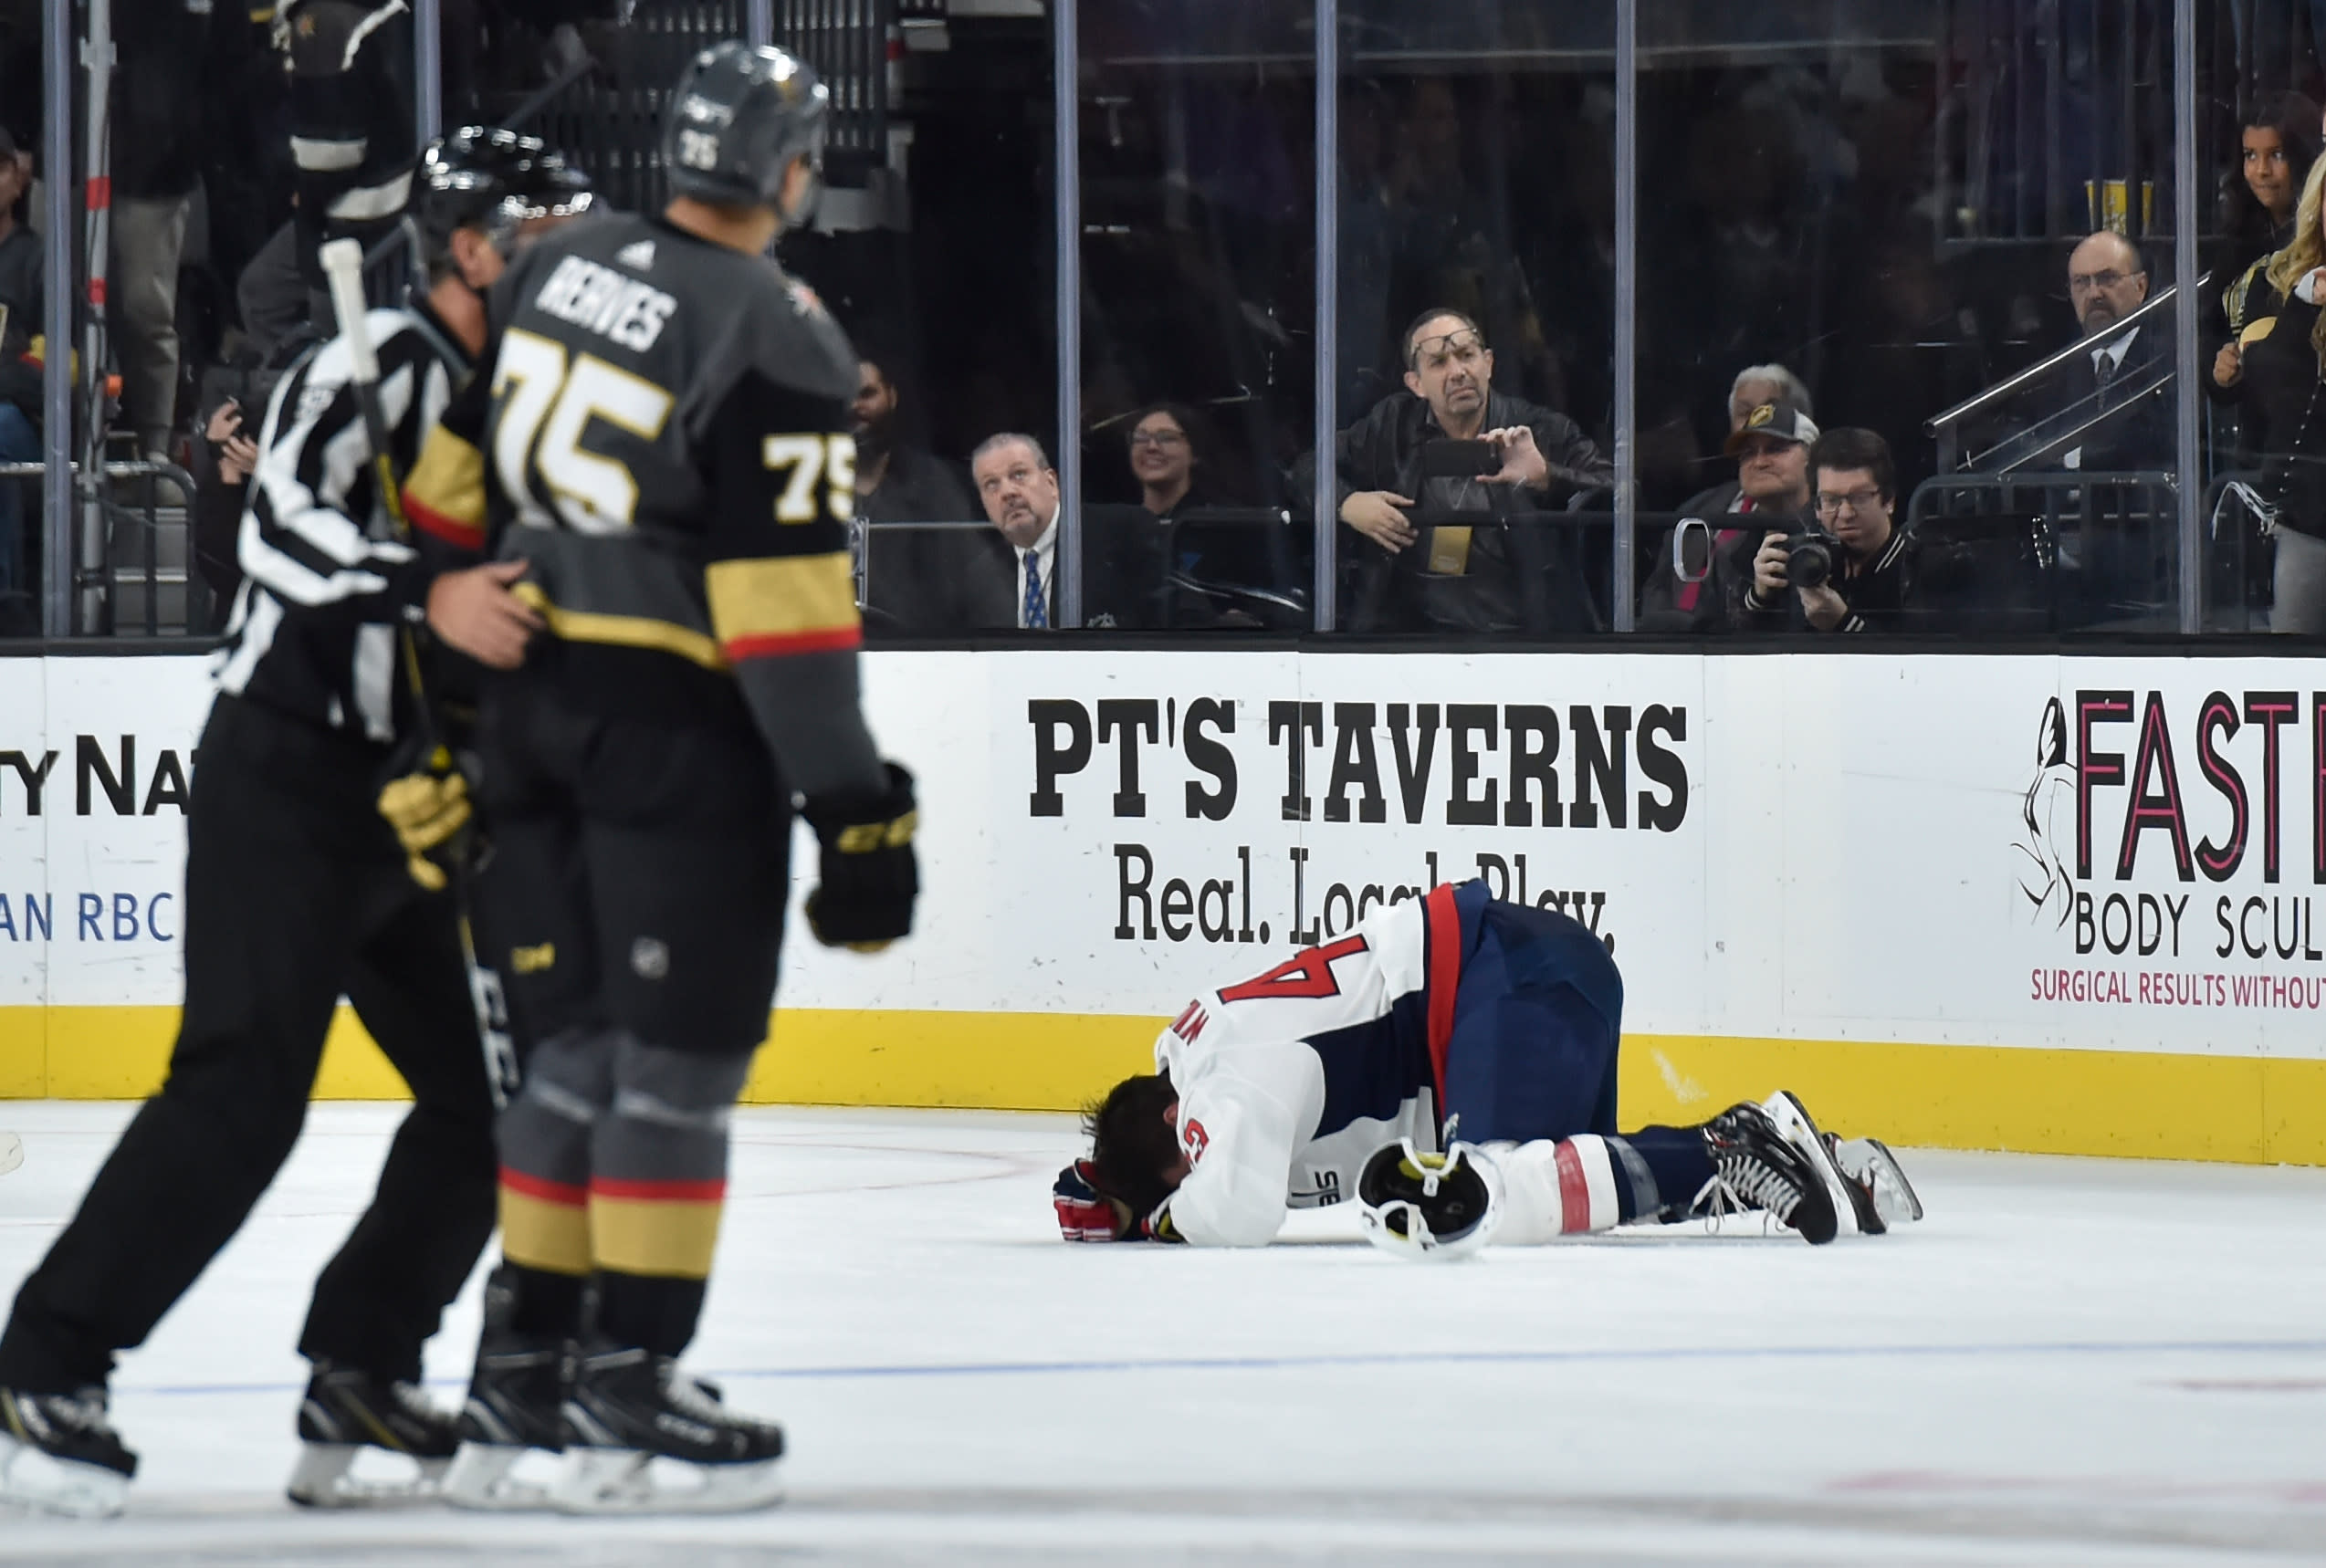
{"x": 623, "y": 1481}
{"x": 1869, "y": 1161}
{"x": 1849, "y": 1206}
{"x": 481, "y": 1478}
{"x": 325, "y": 1478}
{"x": 43, "y": 1483}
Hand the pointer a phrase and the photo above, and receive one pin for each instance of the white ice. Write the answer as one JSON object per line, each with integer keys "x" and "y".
{"x": 2070, "y": 1362}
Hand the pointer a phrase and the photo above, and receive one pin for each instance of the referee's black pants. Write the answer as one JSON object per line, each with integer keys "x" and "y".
{"x": 296, "y": 892}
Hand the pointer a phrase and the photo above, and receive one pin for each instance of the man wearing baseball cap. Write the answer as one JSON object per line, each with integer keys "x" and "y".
{"x": 1772, "y": 489}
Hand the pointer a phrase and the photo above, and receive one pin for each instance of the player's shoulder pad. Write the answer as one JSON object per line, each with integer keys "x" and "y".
{"x": 796, "y": 343}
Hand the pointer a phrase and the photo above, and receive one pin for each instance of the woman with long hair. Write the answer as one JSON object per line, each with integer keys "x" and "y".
{"x": 2277, "y": 144}
{"x": 2281, "y": 380}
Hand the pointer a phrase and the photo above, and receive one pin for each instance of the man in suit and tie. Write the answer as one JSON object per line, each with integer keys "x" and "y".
{"x": 2107, "y": 281}
{"x": 1019, "y": 490}
{"x": 2123, "y": 555}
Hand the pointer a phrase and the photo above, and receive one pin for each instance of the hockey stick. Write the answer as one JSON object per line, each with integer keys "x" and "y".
{"x": 342, "y": 262}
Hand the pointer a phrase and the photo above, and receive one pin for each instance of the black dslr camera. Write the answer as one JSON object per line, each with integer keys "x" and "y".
{"x": 1809, "y": 557}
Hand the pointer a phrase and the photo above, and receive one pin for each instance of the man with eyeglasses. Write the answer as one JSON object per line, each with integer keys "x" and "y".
{"x": 2107, "y": 282}
{"x": 1461, "y": 553}
{"x": 1871, "y": 577}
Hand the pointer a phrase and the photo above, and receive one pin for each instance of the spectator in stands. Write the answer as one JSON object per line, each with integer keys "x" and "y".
{"x": 1870, "y": 561}
{"x": 913, "y": 576}
{"x": 1164, "y": 459}
{"x": 1213, "y": 553}
{"x": 157, "y": 102}
{"x": 1756, "y": 385}
{"x": 2278, "y": 141}
{"x": 1772, "y": 485}
{"x": 1019, "y": 490}
{"x": 2107, "y": 281}
{"x": 1487, "y": 566}
{"x": 897, "y": 481}
{"x": 2282, "y": 374}
{"x": 23, "y": 305}
{"x": 222, "y": 461}
{"x": 1013, "y": 580}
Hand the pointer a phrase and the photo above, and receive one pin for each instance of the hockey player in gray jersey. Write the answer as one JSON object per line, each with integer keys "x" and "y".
{"x": 662, "y": 441}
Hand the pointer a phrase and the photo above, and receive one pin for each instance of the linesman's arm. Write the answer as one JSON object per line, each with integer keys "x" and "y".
{"x": 782, "y": 476}
{"x": 470, "y": 606}
{"x": 301, "y": 537}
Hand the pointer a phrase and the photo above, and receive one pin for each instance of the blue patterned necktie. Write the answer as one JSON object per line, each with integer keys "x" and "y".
{"x": 1037, "y": 612}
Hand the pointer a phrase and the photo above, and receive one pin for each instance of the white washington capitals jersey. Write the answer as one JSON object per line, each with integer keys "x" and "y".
{"x": 1289, "y": 1081}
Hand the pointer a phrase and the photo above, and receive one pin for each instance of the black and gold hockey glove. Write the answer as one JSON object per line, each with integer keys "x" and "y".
{"x": 870, "y": 877}
{"x": 427, "y": 807}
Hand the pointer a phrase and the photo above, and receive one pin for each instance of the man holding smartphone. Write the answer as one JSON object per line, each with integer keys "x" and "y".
{"x": 1439, "y": 486}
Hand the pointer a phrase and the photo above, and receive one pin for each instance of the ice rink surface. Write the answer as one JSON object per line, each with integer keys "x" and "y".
{"x": 2070, "y": 1362}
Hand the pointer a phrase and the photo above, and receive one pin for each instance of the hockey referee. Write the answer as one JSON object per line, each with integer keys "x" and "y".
{"x": 299, "y": 891}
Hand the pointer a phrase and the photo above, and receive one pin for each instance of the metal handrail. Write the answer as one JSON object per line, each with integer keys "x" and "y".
{"x": 2033, "y": 445}
{"x": 2044, "y": 367}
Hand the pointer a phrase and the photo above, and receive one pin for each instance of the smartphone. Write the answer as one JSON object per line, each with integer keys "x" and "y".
{"x": 1459, "y": 459}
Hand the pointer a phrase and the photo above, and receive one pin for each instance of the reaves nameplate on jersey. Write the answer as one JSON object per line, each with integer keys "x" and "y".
{"x": 597, "y": 298}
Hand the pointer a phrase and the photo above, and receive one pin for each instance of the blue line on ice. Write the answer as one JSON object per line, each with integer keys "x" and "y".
{"x": 1421, "y": 1358}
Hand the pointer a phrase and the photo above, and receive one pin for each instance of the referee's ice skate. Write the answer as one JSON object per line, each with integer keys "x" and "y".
{"x": 345, "y": 1412}
{"x": 59, "y": 1454}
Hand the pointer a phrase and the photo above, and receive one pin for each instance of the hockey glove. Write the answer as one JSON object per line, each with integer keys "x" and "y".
{"x": 1085, "y": 1213}
{"x": 427, "y": 807}
{"x": 870, "y": 877}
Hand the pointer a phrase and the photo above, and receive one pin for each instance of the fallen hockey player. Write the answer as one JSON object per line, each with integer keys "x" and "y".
{"x": 1454, "y": 1016}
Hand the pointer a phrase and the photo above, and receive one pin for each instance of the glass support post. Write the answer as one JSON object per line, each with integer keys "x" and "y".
{"x": 55, "y": 374}
{"x": 1326, "y": 509}
{"x": 1621, "y": 597}
{"x": 427, "y": 70}
{"x": 2191, "y": 488}
{"x": 1066, "y": 574}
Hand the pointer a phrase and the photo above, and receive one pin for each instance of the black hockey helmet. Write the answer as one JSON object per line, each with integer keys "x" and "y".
{"x": 736, "y": 120}
{"x": 485, "y": 178}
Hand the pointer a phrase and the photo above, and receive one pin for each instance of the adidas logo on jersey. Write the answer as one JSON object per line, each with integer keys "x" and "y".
{"x": 638, "y": 256}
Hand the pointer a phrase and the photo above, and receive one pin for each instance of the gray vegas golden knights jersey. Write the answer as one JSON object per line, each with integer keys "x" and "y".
{"x": 660, "y": 432}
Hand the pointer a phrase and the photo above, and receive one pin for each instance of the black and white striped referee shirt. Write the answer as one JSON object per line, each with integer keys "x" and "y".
{"x": 325, "y": 585}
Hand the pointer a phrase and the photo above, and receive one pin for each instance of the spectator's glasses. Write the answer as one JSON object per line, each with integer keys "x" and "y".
{"x": 2089, "y": 282}
{"x": 1461, "y": 347}
{"x": 1857, "y": 503}
{"x": 1159, "y": 439}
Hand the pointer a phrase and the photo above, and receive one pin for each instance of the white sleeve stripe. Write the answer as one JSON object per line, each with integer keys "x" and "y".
{"x": 289, "y": 578}
{"x": 315, "y": 518}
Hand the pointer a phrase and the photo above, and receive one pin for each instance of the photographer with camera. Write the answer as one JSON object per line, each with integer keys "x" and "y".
{"x": 1850, "y": 568}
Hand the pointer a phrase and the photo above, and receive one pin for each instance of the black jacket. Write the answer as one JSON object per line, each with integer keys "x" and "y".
{"x": 2139, "y": 432}
{"x": 1540, "y": 566}
{"x": 22, "y": 265}
{"x": 1669, "y": 605}
{"x": 2284, "y": 407}
{"x": 1878, "y": 594}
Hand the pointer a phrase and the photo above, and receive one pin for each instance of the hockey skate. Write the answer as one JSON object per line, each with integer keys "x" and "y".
{"x": 59, "y": 1454}
{"x": 516, "y": 1407}
{"x": 1754, "y": 1167}
{"x": 346, "y": 1411}
{"x": 1853, "y": 1205}
{"x": 630, "y": 1408}
{"x": 1868, "y": 1163}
